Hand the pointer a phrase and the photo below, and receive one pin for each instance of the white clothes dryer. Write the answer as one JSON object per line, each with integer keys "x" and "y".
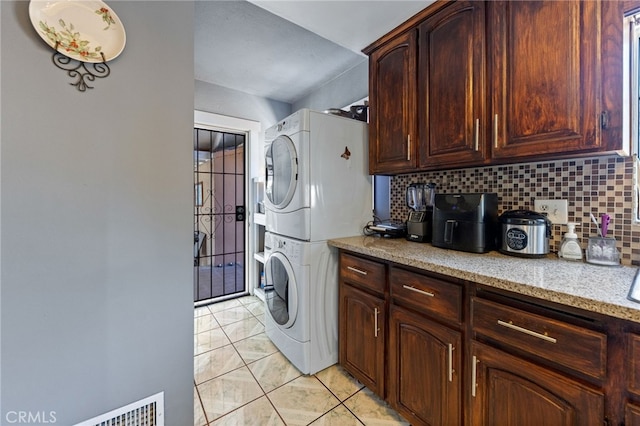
{"x": 301, "y": 294}
{"x": 317, "y": 180}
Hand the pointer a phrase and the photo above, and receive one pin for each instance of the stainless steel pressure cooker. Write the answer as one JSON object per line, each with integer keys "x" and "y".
{"x": 524, "y": 233}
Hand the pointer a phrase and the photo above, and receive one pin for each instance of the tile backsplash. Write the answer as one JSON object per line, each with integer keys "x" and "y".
{"x": 591, "y": 185}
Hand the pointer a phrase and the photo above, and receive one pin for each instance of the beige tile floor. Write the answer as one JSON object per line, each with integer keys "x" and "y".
{"x": 241, "y": 378}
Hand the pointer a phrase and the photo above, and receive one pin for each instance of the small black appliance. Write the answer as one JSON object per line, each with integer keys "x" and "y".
{"x": 465, "y": 222}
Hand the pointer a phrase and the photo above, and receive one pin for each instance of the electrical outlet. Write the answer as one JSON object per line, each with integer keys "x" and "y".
{"x": 557, "y": 210}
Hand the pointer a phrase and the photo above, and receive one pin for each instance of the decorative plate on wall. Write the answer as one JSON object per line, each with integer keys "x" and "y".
{"x": 83, "y": 30}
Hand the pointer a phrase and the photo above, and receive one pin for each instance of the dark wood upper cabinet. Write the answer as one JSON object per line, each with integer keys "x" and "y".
{"x": 545, "y": 77}
{"x": 451, "y": 86}
{"x": 473, "y": 83}
{"x": 392, "y": 100}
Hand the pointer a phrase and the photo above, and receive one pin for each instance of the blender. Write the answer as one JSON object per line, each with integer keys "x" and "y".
{"x": 420, "y": 197}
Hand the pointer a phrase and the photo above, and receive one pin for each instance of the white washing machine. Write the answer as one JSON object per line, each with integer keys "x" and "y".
{"x": 301, "y": 295}
{"x": 317, "y": 179}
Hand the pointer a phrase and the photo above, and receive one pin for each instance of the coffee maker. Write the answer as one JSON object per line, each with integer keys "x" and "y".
{"x": 420, "y": 197}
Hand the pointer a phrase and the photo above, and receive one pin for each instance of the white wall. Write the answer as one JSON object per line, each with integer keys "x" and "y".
{"x": 345, "y": 89}
{"x": 96, "y": 304}
{"x": 233, "y": 103}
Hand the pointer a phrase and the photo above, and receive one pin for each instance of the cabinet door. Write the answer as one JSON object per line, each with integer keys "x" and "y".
{"x": 451, "y": 86}
{"x": 631, "y": 414}
{"x": 392, "y": 100}
{"x": 506, "y": 390}
{"x": 544, "y": 77}
{"x": 424, "y": 366}
{"x": 362, "y": 338}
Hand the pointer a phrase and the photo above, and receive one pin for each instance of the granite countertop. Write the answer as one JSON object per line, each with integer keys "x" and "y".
{"x": 601, "y": 289}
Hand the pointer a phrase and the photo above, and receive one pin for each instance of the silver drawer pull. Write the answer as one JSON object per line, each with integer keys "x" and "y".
{"x": 526, "y": 331}
{"x": 359, "y": 271}
{"x": 417, "y": 290}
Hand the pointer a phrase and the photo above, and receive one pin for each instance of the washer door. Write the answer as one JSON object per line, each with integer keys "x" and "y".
{"x": 281, "y": 292}
{"x": 281, "y": 161}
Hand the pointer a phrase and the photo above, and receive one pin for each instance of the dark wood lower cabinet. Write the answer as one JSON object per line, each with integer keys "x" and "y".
{"x": 445, "y": 352}
{"x": 362, "y": 337}
{"x": 424, "y": 369}
{"x": 506, "y": 390}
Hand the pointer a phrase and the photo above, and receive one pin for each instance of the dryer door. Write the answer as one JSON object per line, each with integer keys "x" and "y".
{"x": 281, "y": 291}
{"x": 281, "y": 161}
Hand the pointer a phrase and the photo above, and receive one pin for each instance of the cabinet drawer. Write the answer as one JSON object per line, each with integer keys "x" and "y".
{"x": 434, "y": 297}
{"x": 577, "y": 348}
{"x": 367, "y": 273}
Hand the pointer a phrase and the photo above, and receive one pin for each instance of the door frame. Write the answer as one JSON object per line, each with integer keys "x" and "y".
{"x": 208, "y": 120}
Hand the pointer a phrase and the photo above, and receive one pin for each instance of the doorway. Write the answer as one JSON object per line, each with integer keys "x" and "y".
{"x": 219, "y": 214}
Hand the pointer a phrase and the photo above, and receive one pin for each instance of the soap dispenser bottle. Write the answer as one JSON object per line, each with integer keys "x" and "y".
{"x": 570, "y": 246}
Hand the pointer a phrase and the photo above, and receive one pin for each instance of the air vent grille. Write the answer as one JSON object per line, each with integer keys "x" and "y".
{"x": 146, "y": 412}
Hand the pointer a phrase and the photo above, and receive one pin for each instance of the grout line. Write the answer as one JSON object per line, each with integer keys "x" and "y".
{"x": 204, "y": 412}
{"x": 264, "y": 393}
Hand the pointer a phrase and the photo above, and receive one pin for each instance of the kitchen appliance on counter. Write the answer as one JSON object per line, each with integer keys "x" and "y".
{"x": 524, "y": 233}
{"x": 465, "y": 222}
{"x": 420, "y": 197}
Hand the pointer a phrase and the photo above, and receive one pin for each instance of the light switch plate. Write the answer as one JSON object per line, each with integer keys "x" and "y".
{"x": 556, "y": 210}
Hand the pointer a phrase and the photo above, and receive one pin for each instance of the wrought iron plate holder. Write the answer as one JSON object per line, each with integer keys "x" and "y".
{"x": 82, "y": 72}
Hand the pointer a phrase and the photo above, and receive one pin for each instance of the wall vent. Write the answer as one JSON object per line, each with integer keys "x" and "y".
{"x": 146, "y": 412}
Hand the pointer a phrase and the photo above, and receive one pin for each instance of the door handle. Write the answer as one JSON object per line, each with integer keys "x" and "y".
{"x": 408, "y": 147}
{"x": 451, "y": 348}
{"x": 477, "y": 134}
{"x": 239, "y": 213}
{"x": 495, "y": 131}
{"x": 375, "y": 322}
{"x": 474, "y": 373}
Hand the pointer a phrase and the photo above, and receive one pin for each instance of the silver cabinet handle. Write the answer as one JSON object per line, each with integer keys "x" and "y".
{"x": 451, "y": 348}
{"x": 477, "y": 134}
{"x": 408, "y": 147}
{"x": 474, "y": 372}
{"x": 359, "y": 271}
{"x": 527, "y": 331}
{"x": 417, "y": 290}
{"x": 495, "y": 131}
{"x": 375, "y": 322}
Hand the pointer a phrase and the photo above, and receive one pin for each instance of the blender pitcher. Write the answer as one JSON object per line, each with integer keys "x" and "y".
{"x": 420, "y": 198}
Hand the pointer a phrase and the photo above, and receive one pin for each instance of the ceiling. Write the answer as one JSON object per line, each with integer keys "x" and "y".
{"x": 284, "y": 50}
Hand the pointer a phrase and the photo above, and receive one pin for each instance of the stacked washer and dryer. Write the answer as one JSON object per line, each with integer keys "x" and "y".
{"x": 317, "y": 187}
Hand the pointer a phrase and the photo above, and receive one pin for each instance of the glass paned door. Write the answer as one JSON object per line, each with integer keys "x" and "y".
{"x": 219, "y": 214}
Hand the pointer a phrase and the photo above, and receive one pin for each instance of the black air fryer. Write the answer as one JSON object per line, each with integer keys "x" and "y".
{"x": 465, "y": 222}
